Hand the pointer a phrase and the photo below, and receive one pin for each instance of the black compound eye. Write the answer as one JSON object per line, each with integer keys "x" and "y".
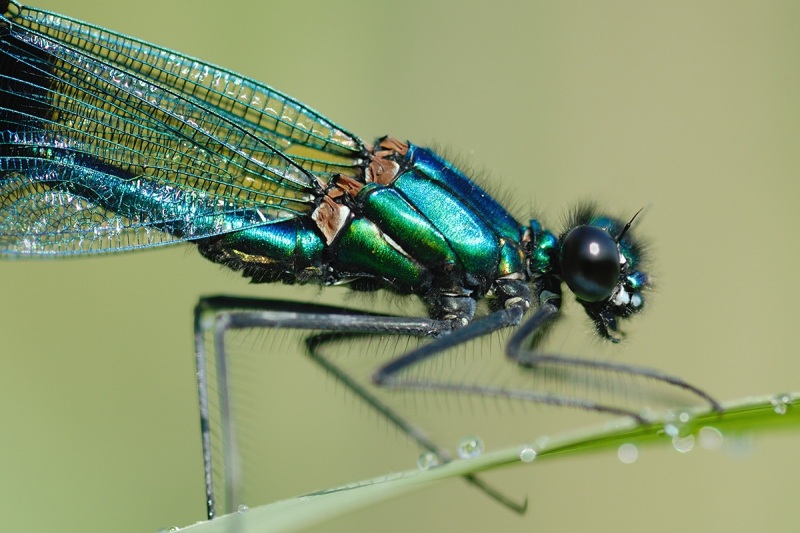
{"x": 590, "y": 263}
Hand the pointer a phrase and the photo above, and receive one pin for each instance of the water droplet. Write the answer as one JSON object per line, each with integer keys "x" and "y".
{"x": 678, "y": 424}
{"x": 470, "y": 447}
{"x": 242, "y": 508}
{"x": 683, "y": 444}
{"x": 428, "y": 460}
{"x": 780, "y": 403}
{"x": 628, "y": 453}
{"x": 710, "y": 438}
{"x": 527, "y": 454}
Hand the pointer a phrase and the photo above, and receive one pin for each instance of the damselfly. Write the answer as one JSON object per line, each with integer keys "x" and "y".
{"x": 109, "y": 143}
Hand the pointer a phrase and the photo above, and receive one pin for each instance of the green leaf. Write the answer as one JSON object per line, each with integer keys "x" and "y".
{"x": 678, "y": 429}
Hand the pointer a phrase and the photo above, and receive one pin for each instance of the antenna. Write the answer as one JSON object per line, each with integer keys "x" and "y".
{"x": 628, "y": 225}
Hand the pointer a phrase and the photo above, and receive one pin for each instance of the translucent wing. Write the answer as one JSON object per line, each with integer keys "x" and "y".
{"x": 109, "y": 143}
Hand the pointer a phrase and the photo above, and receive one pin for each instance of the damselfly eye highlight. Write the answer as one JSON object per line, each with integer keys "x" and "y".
{"x": 590, "y": 263}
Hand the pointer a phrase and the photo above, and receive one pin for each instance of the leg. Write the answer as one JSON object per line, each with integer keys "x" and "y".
{"x": 547, "y": 312}
{"x": 390, "y": 374}
{"x": 219, "y": 315}
{"x": 315, "y": 344}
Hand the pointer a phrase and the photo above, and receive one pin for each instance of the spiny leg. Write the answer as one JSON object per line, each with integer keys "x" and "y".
{"x": 316, "y": 342}
{"x": 228, "y": 313}
{"x": 389, "y": 375}
{"x": 548, "y": 311}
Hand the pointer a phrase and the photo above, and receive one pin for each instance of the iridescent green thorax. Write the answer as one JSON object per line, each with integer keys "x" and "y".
{"x": 412, "y": 225}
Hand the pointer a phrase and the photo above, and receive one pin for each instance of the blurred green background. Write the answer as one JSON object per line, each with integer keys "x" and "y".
{"x": 687, "y": 108}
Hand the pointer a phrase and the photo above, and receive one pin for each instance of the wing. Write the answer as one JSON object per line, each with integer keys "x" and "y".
{"x": 109, "y": 143}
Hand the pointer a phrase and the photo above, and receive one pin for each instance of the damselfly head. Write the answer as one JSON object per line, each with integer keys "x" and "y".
{"x": 599, "y": 260}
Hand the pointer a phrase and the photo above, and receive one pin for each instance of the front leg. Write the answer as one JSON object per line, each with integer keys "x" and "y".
{"x": 547, "y": 312}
